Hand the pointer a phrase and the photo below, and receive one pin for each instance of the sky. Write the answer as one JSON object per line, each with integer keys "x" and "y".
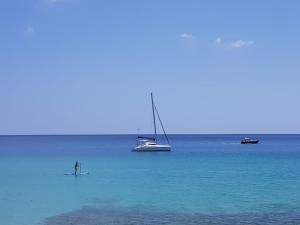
{"x": 88, "y": 66}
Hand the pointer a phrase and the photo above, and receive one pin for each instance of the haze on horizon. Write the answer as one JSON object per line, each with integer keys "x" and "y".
{"x": 88, "y": 67}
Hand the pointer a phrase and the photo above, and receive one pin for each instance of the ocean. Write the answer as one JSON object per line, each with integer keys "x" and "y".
{"x": 205, "y": 179}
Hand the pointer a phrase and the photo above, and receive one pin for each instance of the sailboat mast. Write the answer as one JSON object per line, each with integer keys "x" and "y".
{"x": 153, "y": 113}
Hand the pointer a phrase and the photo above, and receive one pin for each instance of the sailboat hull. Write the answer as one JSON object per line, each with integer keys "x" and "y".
{"x": 152, "y": 148}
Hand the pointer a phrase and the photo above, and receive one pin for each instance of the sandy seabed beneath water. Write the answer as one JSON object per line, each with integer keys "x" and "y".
{"x": 135, "y": 216}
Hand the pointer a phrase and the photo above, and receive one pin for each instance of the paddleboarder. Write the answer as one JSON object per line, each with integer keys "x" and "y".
{"x": 77, "y": 167}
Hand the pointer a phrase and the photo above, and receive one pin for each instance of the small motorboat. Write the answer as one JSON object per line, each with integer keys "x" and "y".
{"x": 249, "y": 141}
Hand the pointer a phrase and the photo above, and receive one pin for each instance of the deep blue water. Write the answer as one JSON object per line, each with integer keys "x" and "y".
{"x": 206, "y": 178}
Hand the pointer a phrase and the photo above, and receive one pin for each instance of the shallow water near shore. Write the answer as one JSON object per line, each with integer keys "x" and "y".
{"x": 205, "y": 178}
{"x": 96, "y": 216}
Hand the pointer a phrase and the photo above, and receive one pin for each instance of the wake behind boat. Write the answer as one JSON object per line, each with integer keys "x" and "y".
{"x": 149, "y": 144}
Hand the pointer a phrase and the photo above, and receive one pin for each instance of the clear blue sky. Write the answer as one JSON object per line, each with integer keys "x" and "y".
{"x": 88, "y": 66}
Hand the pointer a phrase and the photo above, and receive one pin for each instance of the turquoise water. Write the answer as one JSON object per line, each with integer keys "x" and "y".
{"x": 211, "y": 175}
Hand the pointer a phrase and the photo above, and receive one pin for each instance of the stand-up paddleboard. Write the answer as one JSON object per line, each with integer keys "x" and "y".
{"x": 82, "y": 173}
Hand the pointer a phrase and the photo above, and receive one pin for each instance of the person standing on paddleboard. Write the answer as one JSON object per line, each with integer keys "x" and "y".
{"x": 77, "y": 167}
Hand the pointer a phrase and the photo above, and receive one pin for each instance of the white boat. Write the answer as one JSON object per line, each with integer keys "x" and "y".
{"x": 149, "y": 144}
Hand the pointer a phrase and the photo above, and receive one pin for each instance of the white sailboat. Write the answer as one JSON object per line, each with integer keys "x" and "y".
{"x": 149, "y": 144}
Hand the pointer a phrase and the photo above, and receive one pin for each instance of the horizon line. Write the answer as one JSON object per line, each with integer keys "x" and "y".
{"x": 120, "y": 134}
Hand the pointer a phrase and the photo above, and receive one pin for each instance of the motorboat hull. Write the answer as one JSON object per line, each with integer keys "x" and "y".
{"x": 249, "y": 142}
